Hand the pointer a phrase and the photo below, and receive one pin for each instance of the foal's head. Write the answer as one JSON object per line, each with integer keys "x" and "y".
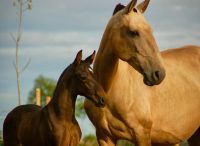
{"x": 83, "y": 81}
{"x": 132, "y": 40}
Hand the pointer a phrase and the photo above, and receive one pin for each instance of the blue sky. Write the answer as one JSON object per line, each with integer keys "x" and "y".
{"x": 55, "y": 30}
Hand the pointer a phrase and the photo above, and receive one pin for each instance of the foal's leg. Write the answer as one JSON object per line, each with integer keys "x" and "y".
{"x": 10, "y": 135}
{"x": 11, "y": 143}
{"x": 10, "y": 140}
{"x": 194, "y": 140}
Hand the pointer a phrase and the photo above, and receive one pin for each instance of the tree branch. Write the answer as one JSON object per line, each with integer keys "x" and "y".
{"x": 25, "y": 66}
{"x": 14, "y": 65}
{"x": 13, "y": 37}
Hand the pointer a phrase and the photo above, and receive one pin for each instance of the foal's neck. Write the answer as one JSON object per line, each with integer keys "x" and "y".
{"x": 62, "y": 105}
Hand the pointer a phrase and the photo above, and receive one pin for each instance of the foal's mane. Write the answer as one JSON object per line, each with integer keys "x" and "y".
{"x": 65, "y": 76}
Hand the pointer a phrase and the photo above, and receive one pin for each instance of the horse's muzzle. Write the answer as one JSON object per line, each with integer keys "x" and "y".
{"x": 155, "y": 78}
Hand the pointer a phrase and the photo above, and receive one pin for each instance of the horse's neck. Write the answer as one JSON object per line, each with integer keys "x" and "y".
{"x": 62, "y": 105}
{"x": 105, "y": 65}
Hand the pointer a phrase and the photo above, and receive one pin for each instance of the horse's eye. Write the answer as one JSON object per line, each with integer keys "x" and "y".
{"x": 134, "y": 33}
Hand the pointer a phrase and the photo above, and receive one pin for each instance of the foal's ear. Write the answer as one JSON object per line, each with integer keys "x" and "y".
{"x": 90, "y": 58}
{"x": 78, "y": 57}
{"x": 118, "y": 7}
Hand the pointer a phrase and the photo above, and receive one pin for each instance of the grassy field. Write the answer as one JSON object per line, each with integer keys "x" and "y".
{"x": 90, "y": 140}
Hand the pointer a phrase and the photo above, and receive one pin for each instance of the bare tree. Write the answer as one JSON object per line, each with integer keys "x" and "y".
{"x": 22, "y": 5}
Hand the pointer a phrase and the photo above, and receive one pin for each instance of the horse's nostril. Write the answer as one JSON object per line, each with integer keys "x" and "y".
{"x": 154, "y": 78}
{"x": 156, "y": 75}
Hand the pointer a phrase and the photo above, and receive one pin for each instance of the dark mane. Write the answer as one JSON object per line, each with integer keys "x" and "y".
{"x": 65, "y": 74}
{"x": 118, "y": 7}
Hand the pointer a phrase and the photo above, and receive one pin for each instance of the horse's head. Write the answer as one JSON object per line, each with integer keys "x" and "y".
{"x": 84, "y": 82}
{"x": 132, "y": 41}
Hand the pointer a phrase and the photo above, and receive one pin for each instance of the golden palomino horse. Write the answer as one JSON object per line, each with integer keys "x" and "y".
{"x": 128, "y": 65}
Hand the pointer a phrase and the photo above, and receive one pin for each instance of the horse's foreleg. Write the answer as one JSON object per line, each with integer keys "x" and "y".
{"x": 164, "y": 145}
{"x": 143, "y": 140}
{"x": 105, "y": 140}
{"x": 143, "y": 137}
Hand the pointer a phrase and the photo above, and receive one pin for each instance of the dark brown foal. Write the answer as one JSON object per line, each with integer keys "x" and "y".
{"x": 55, "y": 124}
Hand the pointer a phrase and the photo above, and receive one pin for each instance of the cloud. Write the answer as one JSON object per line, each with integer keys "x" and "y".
{"x": 56, "y": 43}
{"x": 35, "y": 38}
{"x": 59, "y": 38}
{"x": 177, "y": 8}
{"x": 59, "y": 15}
{"x": 6, "y": 98}
{"x": 176, "y": 38}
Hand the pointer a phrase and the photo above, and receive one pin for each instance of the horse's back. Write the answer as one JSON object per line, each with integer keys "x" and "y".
{"x": 13, "y": 122}
{"x": 184, "y": 61}
{"x": 178, "y": 96}
{"x": 185, "y": 54}
{"x": 183, "y": 73}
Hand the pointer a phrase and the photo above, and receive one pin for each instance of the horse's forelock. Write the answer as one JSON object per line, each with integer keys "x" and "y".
{"x": 118, "y": 7}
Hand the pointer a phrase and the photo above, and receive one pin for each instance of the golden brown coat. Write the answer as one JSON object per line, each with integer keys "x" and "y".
{"x": 127, "y": 61}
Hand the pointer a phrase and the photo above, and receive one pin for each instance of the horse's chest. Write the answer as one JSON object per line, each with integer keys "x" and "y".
{"x": 116, "y": 126}
{"x": 71, "y": 135}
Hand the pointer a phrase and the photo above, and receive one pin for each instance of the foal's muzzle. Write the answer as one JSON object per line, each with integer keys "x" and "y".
{"x": 101, "y": 102}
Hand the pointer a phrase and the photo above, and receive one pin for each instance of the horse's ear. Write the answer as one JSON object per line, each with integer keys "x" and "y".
{"x": 130, "y": 6}
{"x": 90, "y": 58}
{"x": 78, "y": 57}
{"x": 118, "y": 7}
{"x": 143, "y": 6}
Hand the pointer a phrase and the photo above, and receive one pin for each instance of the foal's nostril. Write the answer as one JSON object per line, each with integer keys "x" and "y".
{"x": 102, "y": 101}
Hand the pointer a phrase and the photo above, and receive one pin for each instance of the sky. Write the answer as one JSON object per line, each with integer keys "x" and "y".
{"x": 54, "y": 31}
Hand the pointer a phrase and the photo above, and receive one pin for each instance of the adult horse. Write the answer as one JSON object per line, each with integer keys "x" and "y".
{"x": 127, "y": 65}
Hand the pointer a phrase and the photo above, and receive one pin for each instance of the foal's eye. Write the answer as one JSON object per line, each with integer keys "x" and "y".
{"x": 83, "y": 77}
{"x": 134, "y": 33}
